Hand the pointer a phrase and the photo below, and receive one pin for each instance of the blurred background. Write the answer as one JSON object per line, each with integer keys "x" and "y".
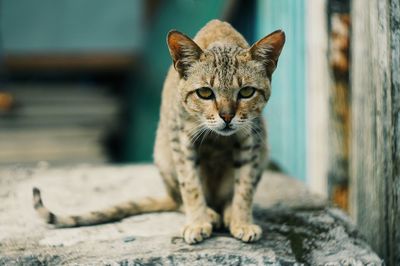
{"x": 80, "y": 82}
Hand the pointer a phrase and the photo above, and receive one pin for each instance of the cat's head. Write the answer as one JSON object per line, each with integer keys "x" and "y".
{"x": 225, "y": 87}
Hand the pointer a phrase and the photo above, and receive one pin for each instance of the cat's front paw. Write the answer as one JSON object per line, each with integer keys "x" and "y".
{"x": 246, "y": 232}
{"x": 214, "y": 218}
{"x": 196, "y": 232}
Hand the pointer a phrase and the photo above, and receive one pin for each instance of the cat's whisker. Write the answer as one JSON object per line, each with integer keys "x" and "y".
{"x": 207, "y": 132}
{"x": 195, "y": 135}
{"x": 195, "y": 129}
{"x": 244, "y": 129}
{"x": 247, "y": 129}
{"x": 200, "y": 133}
{"x": 258, "y": 131}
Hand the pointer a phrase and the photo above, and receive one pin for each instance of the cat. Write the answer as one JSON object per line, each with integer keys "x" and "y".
{"x": 210, "y": 147}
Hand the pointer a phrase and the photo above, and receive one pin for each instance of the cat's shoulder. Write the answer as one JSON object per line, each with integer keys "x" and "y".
{"x": 219, "y": 31}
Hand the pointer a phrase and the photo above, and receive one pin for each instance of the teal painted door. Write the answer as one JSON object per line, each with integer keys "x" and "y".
{"x": 185, "y": 16}
{"x": 285, "y": 113}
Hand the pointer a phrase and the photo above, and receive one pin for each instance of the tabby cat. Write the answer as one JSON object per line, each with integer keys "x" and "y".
{"x": 210, "y": 146}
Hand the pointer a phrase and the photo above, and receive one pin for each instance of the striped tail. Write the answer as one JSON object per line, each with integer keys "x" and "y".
{"x": 110, "y": 214}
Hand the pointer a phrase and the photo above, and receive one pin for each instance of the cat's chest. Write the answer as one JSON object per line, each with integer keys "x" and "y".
{"x": 215, "y": 149}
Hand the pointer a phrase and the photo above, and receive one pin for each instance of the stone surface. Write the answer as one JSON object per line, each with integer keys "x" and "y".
{"x": 298, "y": 227}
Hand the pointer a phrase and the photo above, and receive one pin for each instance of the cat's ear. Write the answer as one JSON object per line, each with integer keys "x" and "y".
{"x": 184, "y": 51}
{"x": 268, "y": 49}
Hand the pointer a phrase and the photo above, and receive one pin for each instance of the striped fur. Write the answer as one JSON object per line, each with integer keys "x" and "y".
{"x": 110, "y": 214}
{"x": 210, "y": 165}
{"x": 205, "y": 168}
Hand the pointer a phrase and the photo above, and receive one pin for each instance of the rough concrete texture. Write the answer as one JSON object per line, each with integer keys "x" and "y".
{"x": 298, "y": 227}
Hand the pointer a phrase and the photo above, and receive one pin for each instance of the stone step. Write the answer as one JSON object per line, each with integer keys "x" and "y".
{"x": 299, "y": 228}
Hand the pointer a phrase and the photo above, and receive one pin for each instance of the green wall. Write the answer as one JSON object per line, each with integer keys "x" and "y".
{"x": 70, "y": 25}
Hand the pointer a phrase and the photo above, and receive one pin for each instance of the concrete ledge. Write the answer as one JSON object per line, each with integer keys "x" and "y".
{"x": 298, "y": 227}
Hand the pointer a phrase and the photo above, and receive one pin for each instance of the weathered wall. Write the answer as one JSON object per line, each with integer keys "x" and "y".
{"x": 376, "y": 124}
{"x": 394, "y": 181}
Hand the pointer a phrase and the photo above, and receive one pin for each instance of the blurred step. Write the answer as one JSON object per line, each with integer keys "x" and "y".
{"x": 55, "y": 122}
{"x": 57, "y": 92}
{"x": 49, "y": 110}
{"x": 53, "y": 154}
{"x": 59, "y": 123}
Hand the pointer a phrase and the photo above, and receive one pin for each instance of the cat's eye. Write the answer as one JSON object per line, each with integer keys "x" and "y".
{"x": 205, "y": 93}
{"x": 246, "y": 92}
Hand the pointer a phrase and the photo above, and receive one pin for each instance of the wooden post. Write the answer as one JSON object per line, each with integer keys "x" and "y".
{"x": 317, "y": 97}
{"x": 375, "y": 157}
{"x": 339, "y": 102}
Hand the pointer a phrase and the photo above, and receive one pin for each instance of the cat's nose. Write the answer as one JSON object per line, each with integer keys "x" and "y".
{"x": 227, "y": 116}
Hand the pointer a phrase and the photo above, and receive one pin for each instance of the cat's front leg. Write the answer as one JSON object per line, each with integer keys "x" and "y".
{"x": 199, "y": 218}
{"x": 239, "y": 214}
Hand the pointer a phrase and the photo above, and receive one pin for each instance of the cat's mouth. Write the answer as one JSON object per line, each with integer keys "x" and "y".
{"x": 227, "y": 130}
